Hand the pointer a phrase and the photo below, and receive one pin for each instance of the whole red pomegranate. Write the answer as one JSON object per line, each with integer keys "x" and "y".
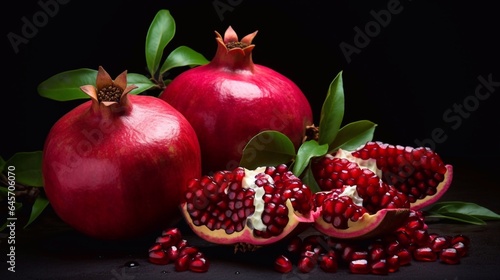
{"x": 114, "y": 166}
{"x": 231, "y": 99}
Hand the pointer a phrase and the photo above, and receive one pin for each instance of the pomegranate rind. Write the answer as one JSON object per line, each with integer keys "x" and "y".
{"x": 219, "y": 236}
{"x": 440, "y": 191}
{"x": 368, "y": 226}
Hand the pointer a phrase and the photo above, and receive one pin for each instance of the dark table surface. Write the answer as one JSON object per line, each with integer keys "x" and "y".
{"x": 50, "y": 250}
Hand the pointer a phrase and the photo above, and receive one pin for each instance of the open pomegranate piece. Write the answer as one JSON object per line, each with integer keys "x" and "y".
{"x": 253, "y": 207}
{"x": 369, "y": 191}
{"x": 419, "y": 172}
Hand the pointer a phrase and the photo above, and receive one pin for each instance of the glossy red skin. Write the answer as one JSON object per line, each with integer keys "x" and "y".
{"x": 227, "y": 108}
{"x": 125, "y": 179}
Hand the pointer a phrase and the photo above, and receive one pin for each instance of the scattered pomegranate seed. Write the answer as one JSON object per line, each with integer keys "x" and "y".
{"x": 283, "y": 264}
{"x": 171, "y": 248}
{"x": 449, "y": 256}
{"x": 424, "y": 254}
{"x": 158, "y": 257}
{"x": 182, "y": 263}
{"x": 199, "y": 264}
{"x": 359, "y": 267}
{"x": 439, "y": 243}
{"x": 393, "y": 263}
{"x": 404, "y": 257}
{"x": 379, "y": 267}
{"x": 306, "y": 264}
{"x": 461, "y": 249}
{"x": 328, "y": 263}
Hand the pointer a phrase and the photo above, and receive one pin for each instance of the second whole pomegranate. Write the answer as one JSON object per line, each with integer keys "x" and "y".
{"x": 231, "y": 99}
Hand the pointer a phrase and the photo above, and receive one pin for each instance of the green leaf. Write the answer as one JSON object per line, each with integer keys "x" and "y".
{"x": 28, "y": 168}
{"x": 306, "y": 152}
{"x": 182, "y": 56}
{"x": 142, "y": 82}
{"x": 465, "y": 208}
{"x": 161, "y": 31}
{"x": 332, "y": 111}
{"x": 66, "y": 85}
{"x": 353, "y": 135}
{"x": 459, "y": 217}
{"x": 39, "y": 205}
{"x": 308, "y": 180}
{"x": 267, "y": 148}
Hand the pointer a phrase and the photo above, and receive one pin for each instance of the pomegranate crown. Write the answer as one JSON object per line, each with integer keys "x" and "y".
{"x": 230, "y": 40}
{"x": 108, "y": 91}
{"x": 233, "y": 53}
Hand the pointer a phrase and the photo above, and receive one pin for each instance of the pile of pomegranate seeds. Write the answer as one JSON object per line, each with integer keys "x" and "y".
{"x": 411, "y": 242}
{"x": 378, "y": 256}
{"x": 170, "y": 247}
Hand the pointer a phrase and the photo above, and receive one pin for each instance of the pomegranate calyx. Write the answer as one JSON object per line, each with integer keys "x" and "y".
{"x": 232, "y": 53}
{"x": 108, "y": 91}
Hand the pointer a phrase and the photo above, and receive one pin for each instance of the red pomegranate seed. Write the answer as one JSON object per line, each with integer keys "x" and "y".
{"x": 182, "y": 243}
{"x": 449, "y": 256}
{"x": 439, "y": 243}
{"x": 403, "y": 238}
{"x": 166, "y": 240}
{"x": 404, "y": 257}
{"x": 283, "y": 264}
{"x": 421, "y": 237}
{"x": 155, "y": 247}
{"x": 188, "y": 250}
{"x": 311, "y": 254}
{"x": 461, "y": 248}
{"x": 359, "y": 255}
{"x": 199, "y": 264}
{"x": 359, "y": 267}
{"x": 182, "y": 263}
{"x": 377, "y": 254}
{"x": 379, "y": 267}
{"x": 306, "y": 264}
{"x": 424, "y": 254}
{"x": 328, "y": 263}
{"x": 158, "y": 257}
{"x": 174, "y": 232}
{"x": 460, "y": 238}
{"x": 347, "y": 253}
{"x": 295, "y": 245}
{"x": 393, "y": 263}
{"x": 392, "y": 247}
{"x": 172, "y": 253}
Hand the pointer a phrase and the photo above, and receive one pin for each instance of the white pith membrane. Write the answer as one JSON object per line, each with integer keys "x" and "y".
{"x": 370, "y": 164}
{"x": 254, "y": 221}
{"x": 350, "y": 191}
{"x": 244, "y": 239}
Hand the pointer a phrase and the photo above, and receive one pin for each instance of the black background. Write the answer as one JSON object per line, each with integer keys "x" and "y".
{"x": 424, "y": 61}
